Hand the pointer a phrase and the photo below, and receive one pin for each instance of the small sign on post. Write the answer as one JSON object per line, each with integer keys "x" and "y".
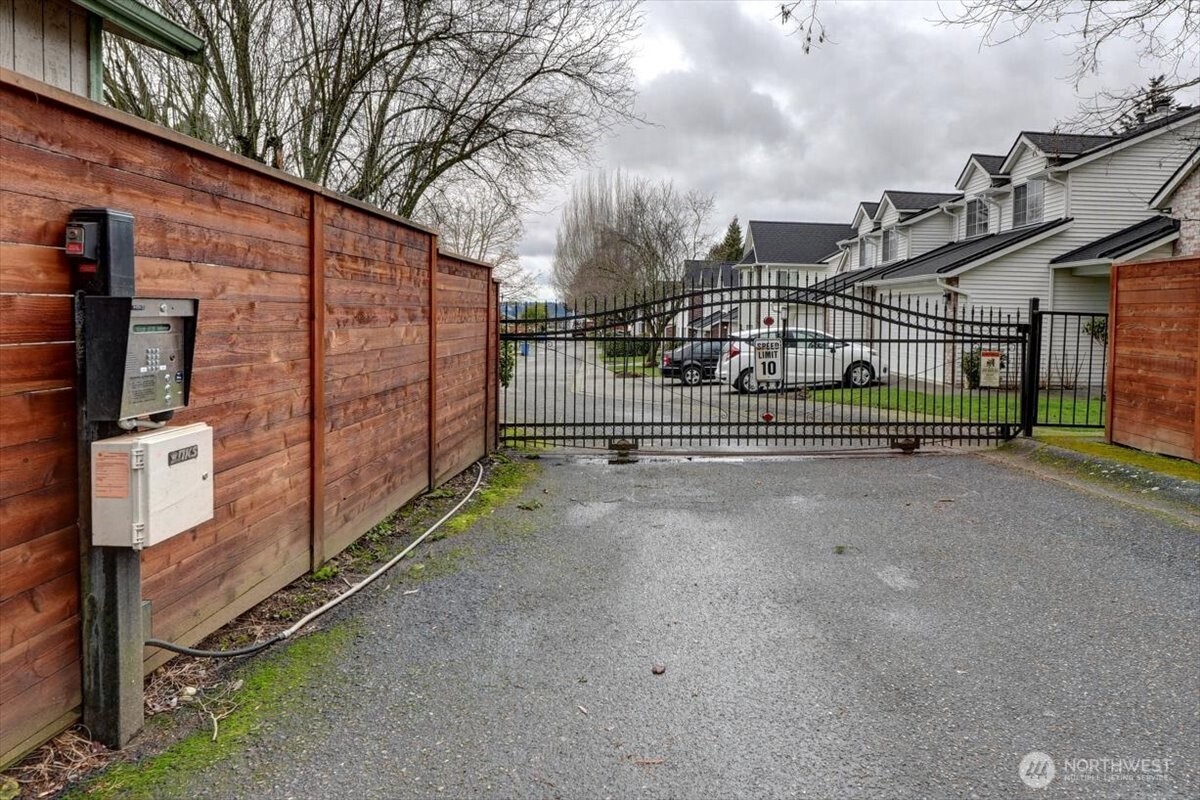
{"x": 989, "y": 369}
{"x": 768, "y": 364}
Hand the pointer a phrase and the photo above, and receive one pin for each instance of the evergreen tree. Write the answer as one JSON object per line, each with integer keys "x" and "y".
{"x": 1155, "y": 98}
{"x": 729, "y": 248}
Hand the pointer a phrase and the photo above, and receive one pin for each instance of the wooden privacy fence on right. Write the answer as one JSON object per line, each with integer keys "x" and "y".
{"x": 1154, "y": 332}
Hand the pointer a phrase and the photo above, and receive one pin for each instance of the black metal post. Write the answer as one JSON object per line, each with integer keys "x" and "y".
{"x": 110, "y": 577}
{"x": 1033, "y": 360}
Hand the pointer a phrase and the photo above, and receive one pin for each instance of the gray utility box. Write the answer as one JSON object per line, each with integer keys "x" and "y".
{"x": 138, "y": 352}
{"x": 150, "y": 486}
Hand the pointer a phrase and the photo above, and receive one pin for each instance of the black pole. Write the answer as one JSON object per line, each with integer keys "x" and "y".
{"x": 110, "y": 577}
{"x": 1029, "y": 382}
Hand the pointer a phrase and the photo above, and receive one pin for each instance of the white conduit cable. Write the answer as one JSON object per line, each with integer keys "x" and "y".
{"x": 315, "y": 613}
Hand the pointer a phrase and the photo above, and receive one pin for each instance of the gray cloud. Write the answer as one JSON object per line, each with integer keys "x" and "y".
{"x": 896, "y": 102}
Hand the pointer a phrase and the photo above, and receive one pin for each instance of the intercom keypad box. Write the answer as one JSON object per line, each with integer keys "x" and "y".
{"x": 139, "y": 355}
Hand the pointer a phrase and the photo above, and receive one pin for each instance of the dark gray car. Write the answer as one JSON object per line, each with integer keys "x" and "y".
{"x": 694, "y": 362}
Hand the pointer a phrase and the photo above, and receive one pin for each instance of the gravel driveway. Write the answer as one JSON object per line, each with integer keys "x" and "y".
{"x": 831, "y": 628}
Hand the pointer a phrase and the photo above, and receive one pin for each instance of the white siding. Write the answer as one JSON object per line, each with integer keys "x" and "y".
{"x": 889, "y": 216}
{"x": 1030, "y": 162}
{"x": 1070, "y": 357}
{"x": 1073, "y": 293}
{"x": 977, "y": 181}
{"x": 1009, "y": 281}
{"x": 908, "y": 344}
{"x": 1113, "y": 191}
{"x": 1160, "y": 253}
{"x": 929, "y": 234}
{"x": 847, "y": 316}
{"x": 46, "y": 40}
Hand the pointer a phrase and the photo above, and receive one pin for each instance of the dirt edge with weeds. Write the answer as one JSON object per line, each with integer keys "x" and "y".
{"x": 184, "y": 695}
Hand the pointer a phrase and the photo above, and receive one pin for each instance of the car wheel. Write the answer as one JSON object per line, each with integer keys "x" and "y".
{"x": 859, "y": 375}
{"x": 746, "y": 382}
{"x": 692, "y": 375}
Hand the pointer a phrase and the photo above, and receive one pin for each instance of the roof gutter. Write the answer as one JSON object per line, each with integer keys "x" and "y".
{"x": 978, "y": 262}
{"x": 135, "y": 21}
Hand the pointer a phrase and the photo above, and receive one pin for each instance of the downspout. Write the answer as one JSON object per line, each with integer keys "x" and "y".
{"x": 951, "y": 357}
{"x": 945, "y": 287}
{"x": 950, "y": 209}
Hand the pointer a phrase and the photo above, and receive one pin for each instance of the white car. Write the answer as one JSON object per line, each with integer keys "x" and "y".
{"x": 809, "y": 357}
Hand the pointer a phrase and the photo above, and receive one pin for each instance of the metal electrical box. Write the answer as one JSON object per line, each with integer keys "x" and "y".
{"x": 138, "y": 355}
{"x": 149, "y": 486}
{"x": 99, "y": 243}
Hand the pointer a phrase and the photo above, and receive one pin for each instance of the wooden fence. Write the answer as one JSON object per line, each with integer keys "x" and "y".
{"x": 1154, "y": 380}
{"x": 335, "y": 394}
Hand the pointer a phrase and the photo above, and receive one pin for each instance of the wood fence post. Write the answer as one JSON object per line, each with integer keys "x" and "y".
{"x": 433, "y": 365}
{"x": 1110, "y": 387}
{"x": 316, "y": 318}
{"x": 489, "y": 358}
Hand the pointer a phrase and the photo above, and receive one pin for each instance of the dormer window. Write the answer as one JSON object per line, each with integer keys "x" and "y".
{"x": 889, "y": 245}
{"x": 862, "y": 252}
{"x": 977, "y": 218}
{"x": 1029, "y": 203}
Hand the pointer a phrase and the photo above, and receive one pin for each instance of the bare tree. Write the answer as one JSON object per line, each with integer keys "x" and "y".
{"x": 384, "y": 99}
{"x": 1166, "y": 32}
{"x": 628, "y": 238}
{"x": 475, "y": 220}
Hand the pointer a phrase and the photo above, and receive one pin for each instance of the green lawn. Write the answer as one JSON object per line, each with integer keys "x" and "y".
{"x": 976, "y": 406}
{"x": 629, "y": 366}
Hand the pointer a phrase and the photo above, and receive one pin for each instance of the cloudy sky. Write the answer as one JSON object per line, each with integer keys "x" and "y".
{"x": 894, "y": 102}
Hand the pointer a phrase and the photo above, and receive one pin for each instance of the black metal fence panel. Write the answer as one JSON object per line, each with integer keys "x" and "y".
{"x": 1071, "y": 368}
{"x": 762, "y": 366}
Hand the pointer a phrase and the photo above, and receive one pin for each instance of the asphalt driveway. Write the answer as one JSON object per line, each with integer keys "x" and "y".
{"x": 831, "y": 628}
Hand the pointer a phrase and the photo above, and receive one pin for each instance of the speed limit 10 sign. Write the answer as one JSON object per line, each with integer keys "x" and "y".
{"x": 768, "y": 361}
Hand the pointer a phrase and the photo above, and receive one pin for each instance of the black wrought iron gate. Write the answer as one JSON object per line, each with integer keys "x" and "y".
{"x": 759, "y": 367}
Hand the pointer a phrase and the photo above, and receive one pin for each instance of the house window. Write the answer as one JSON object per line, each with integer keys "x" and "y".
{"x": 1029, "y": 203}
{"x": 977, "y": 218}
{"x": 862, "y": 252}
{"x": 889, "y": 245}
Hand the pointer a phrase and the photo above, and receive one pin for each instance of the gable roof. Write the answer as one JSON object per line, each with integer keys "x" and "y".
{"x": 794, "y": 242}
{"x": 704, "y": 273}
{"x": 1066, "y": 144}
{"x": 1147, "y": 233}
{"x": 1073, "y": 148}
{"x": 866, "y": 209}
{"x": 963, "y": 254}
{"x": 1162, "y": 197}
{"x": 991, "y": 164}
{"x": 917, "y": 201}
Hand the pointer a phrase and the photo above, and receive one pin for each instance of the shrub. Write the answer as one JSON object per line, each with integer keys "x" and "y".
{"x": 1097, "y": 328}
{"x": 626, "y": 348}
{"x": 508, "y": 362}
